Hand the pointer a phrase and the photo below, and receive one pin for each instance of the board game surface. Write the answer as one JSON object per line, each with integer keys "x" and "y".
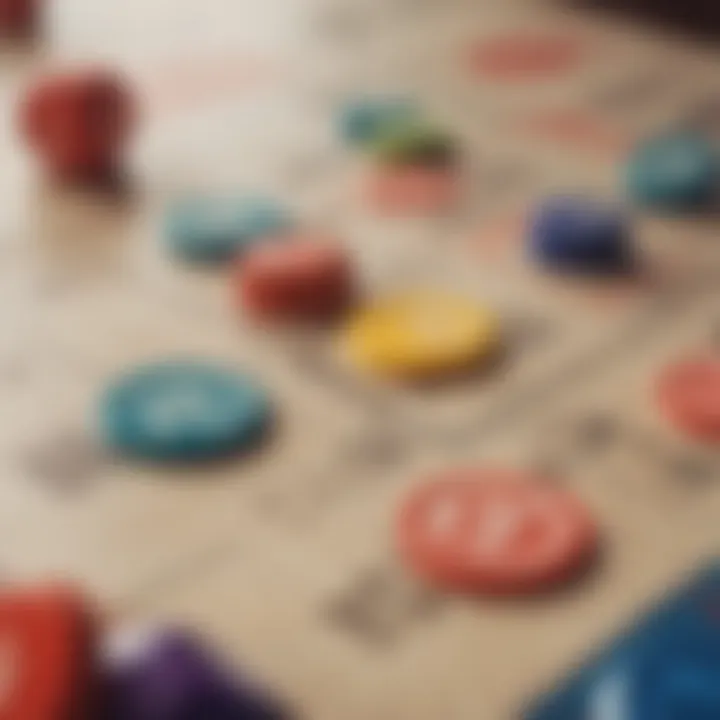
{"x": 285, "y": 558}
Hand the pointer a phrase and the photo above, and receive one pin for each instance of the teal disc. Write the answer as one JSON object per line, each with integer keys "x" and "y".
{"x": 184, "y": 410}
{"x": 674, "y": 173}
{"x": 365, "y": 120}
{"x": 216, "y": 230}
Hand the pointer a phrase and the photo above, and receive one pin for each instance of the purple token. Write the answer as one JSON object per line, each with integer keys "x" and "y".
{"x": 171, "y": 675}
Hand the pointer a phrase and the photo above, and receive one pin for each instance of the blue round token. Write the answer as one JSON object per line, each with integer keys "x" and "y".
{"x": 580, "y": 234}
{"x": 216, "y": 230}
{"x": 663, "y": 684}
{"x": 674, "y": 173}
{"x": 184, "y": 410}
{"x": 365, "y": 121}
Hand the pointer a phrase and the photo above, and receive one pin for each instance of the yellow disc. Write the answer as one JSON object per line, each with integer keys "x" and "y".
{"x": 421, "y": 334}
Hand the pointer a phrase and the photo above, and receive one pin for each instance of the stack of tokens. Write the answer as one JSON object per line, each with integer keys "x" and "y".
{"x": 413, "y": 167}
{"x": 688, "y": 393}
{"x": 674, "y": 173}
{"x": 169, "y": 674}
{"x": 579, "y": 234}
{"x": 217, "y": 230}
{"x": 184, "y": 410}
{"x": 495, "y": 532}
{"x": 307, "y": 278}
{"x": 421, "y": 335}
{"x": 48, "y": 639}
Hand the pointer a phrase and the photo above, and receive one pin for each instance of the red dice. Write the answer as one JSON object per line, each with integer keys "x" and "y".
{"x": 79, "y": 124}
{"x": 18, "y": 18}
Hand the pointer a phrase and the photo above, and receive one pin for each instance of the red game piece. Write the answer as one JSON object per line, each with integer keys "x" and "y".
{"x": 689, "y": 394}
{"x": 525, "y": 56}
{"x": 494, "y": 532}
{"x": 294, "y": 279}
{"x": 46, "y": 655}
{"x": 18, "y": 18}
{"x": 411, "y": 189}
{"x": 79, "y": 123}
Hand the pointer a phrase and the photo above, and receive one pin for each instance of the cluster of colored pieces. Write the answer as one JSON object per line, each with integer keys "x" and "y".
{"x": 56, "y": 666}
{"x": 413, "y": 164}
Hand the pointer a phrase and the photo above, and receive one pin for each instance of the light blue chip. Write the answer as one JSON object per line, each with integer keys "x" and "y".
{"x": 674, "y": 173}
{"x": 216, "y": 230}
{"x": 366, "y": 120}
{"x": 184, "y": 410}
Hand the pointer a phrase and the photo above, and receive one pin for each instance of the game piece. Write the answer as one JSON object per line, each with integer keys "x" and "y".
{"x": 580, "y": 234}
{"x": 411, "y": 189}
{"x": 184, "y": 410}
{"x": 674, "y": 173}
{"x": 305, "y": 278}
{"x": 215, "y": 230}
{"x": 494, "y": 532}
{"x": 526, "y": 56}
{"x": 47, "y": 645}
{"x": 421, "y": 334}
{"x": 415, "y": 145}
{"x": 79, "y": 124}
{"x": 362, "y": 121}
{"x": 667, "y": 667}
{"x": 18, "y": 18}
{"x": 689, "y": 394}
{"x": 170, "y": 675}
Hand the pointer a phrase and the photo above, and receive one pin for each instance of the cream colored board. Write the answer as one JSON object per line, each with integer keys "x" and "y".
{"x": 385, "y": 647}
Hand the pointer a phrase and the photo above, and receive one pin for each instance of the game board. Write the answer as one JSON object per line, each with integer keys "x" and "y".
{"x": 285, "y": 557}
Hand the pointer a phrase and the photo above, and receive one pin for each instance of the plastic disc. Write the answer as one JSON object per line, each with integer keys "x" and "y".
{"x": 216, "y": 230}
{"x": 184, "y": 410}
{"x": 495, "y": 532}
{"x": 689, "y": 395}
{"x": 421, "y": 334}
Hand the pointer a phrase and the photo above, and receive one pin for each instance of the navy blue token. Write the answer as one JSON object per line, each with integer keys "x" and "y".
{"x": 674, "y": 173}
{"x": 580, "y": 234}
{"x": 184, "y": 410}
{"x": 366, "y": 120}
{"x": 216, "y": 230}
{"x": 665, "y": 668}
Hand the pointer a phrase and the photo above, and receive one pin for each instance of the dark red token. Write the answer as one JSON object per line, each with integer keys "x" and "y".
{"x": 79, "y": 123}
{"x": 18, "y": 18}
{"x": 494, "y": 532}
{"x": 525, "y": 56}
{"x": 689, "y": 394}
{"x": 47, "y": 648}
{"x": 300, "y": 278}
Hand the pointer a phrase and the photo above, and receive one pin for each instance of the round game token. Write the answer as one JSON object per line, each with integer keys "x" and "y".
{"x": 47, "y": 650}
{"x": 170, "y": 674}
{"x": 411, "y": 189}
{"x": 306, "y": 278}
{"x": 580, "y": 234}
{"x": 364, "y": 120}
{"x": 421, "y": 334}
{"x": 215, "y": 230}
{"x": 525, "y": 56}
{"x": 184, "y": 410}
{"x": 494, "y": 532}
{"x": 689, "y": 395}
{"x": 661, "y": 683}
{"x": 674, "y": 173}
